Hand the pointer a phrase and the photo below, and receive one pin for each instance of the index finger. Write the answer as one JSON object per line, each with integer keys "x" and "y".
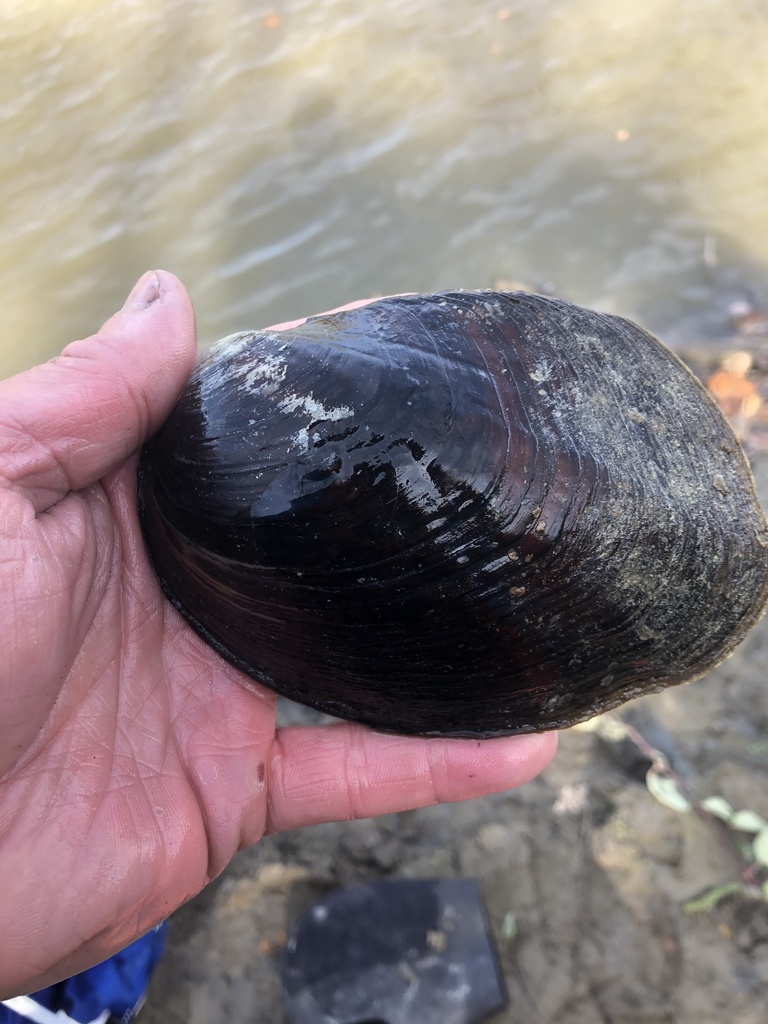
{"x": 341, "y": 772}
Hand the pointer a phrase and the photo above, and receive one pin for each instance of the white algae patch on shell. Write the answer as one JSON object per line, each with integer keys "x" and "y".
{"x": 462, "y": 513}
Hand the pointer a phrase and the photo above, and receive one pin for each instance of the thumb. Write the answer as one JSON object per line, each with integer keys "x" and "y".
{"x": 67, "y": 423}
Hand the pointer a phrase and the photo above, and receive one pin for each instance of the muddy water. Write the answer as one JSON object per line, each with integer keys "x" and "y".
{"x": 284, "y": 159}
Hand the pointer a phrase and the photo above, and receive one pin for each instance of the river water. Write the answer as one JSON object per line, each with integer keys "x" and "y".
{"x": 286, "y": 158}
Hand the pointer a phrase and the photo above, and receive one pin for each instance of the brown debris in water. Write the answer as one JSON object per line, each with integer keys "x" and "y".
{"x": 740, "y": 389}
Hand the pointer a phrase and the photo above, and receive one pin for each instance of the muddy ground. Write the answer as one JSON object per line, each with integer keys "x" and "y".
{"x": 586, "y": 875}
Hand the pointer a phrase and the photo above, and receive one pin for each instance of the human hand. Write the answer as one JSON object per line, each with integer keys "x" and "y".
{"x": 134, "y": 763}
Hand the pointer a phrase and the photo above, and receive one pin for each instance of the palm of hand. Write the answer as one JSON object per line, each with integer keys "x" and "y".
{"x": 145, "y": 765}
{"x": 133, "y": 762}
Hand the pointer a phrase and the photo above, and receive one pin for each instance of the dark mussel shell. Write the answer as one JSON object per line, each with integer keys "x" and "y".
{"x": 461, "y": 513}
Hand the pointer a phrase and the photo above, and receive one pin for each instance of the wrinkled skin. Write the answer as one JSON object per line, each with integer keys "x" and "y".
{"x": 134, "y": 763}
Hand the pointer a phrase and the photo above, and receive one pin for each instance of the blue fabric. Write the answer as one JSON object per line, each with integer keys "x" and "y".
{"x": 117, "y": 985}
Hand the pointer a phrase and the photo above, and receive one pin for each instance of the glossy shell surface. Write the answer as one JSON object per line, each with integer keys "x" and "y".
{"x": 459, "y": 513}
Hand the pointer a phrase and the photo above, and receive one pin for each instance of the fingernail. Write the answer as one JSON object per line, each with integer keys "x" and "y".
{"x": 145, "y": 292}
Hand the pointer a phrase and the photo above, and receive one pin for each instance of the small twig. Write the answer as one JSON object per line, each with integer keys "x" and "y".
{"x": 748, "y": 870}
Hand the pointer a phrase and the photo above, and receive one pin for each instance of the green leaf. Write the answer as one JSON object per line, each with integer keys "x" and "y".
{"x": 709, "y": 899}
{"x": 719, "y": 807}
{"x": 760, "y": 847}
{"x": 747, "y": 821}
{"x": 667, "y": 791}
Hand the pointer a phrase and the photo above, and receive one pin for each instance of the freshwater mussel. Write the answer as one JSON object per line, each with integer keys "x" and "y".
{"x": 460, "y": 513}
